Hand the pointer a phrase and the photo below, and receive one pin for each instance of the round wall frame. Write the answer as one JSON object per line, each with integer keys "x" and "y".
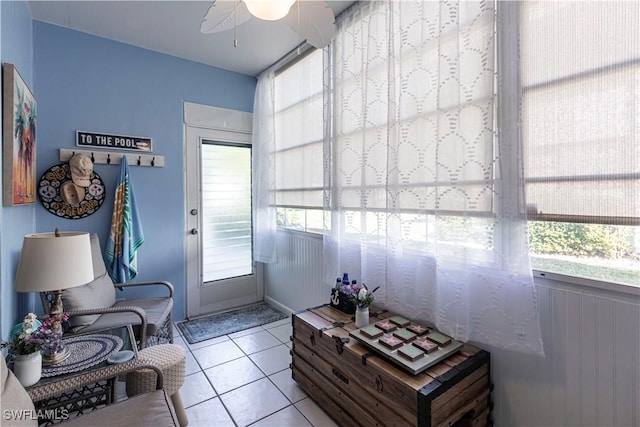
{"x": 49, "y": 193}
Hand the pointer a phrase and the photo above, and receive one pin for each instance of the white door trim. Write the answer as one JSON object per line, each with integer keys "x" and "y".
{"x": 205, "y": 116}
{"x": 218, "y": 124}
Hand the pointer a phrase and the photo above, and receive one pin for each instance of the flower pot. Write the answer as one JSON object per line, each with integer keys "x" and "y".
{"x": 28, "y": 368}
{"x": 362, "y": 317}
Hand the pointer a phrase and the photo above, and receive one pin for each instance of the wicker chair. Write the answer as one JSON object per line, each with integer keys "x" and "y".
{"x": 93, "y": 307}
{"x": 149, "y": 409}
{"x": 171, "y": 358}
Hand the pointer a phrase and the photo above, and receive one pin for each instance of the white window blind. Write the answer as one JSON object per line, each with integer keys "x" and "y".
{"x": 226, "y": 204}
{"x": 298, "y": 100}
{"x": 405, "y": 99}
{"x": 581, "y": 110}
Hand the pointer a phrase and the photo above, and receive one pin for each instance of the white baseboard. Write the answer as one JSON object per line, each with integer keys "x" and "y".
{"x": 283, "y": 308}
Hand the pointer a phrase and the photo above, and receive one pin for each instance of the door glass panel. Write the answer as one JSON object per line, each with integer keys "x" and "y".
{"x": 226, "y": 211}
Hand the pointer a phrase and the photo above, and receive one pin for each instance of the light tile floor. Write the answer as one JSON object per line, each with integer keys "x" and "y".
{"x": 244, "y": 379}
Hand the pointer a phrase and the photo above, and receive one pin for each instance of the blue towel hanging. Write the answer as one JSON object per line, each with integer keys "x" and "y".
{"x": 126, "y": 234}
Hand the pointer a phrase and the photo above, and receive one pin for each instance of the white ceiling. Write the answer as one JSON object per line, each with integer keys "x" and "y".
{"x": 173, "y": 28}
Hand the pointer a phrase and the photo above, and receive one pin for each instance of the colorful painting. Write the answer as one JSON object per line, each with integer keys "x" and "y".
{"x": 19, "y": 139}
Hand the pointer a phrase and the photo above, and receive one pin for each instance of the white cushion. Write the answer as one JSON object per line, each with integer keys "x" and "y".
{"x": 14, "y": 397}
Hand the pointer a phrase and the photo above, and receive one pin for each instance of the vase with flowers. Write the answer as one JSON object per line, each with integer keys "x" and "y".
{"x": 51, "y": 331}
{"x": 27, "y": 342}
{"x": 24, "y": 347}
{"x": 362, "y": 300}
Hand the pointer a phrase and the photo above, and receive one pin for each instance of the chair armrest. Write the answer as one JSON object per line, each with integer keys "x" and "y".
{"x": 45, "y": 391}
{"x": 121, "y": 309}
{"x": 166, "y": 284}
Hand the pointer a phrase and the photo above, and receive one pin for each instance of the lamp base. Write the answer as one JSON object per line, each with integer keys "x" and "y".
{"x": 55, "y": 358}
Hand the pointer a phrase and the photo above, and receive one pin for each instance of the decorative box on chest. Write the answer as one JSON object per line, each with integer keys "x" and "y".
{"x": 341, "y": 301}
{"x": 358, "y": 386}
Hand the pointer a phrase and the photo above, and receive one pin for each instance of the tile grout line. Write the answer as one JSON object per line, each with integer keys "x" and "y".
{"x": 251, "y": 382}
{"x": 247, "y": 355}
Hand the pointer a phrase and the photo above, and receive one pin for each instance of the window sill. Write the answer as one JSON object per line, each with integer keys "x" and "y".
{"x": 573, "y": 280}
{"x": 590, "y": 283}
{"x": 299, "y": 232}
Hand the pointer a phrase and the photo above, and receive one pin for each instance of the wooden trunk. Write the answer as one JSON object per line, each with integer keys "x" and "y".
{"x": 357, "y": 387}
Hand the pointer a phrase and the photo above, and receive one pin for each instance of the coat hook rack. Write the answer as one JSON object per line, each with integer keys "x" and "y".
{"x": 114, "y": 158}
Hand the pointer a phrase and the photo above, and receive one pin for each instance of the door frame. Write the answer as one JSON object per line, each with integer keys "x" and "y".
{"x": 216, "y": 124}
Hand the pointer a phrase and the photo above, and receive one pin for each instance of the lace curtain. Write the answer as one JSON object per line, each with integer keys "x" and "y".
{"x": 263, "y": 170}
{"x": 423, "y": 173}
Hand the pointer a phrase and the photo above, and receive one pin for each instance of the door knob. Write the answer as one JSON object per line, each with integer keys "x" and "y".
{"x": 194, "y": 231}
{"x": 194, "y": 211}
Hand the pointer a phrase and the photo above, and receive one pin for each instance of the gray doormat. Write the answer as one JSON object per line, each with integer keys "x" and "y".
{"x": 216, "y": 325}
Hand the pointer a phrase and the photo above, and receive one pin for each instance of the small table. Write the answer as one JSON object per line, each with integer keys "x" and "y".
{"x": 52, "y": 392}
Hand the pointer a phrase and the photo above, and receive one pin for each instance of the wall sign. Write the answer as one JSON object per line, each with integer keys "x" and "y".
{"x": 120, "y": 142}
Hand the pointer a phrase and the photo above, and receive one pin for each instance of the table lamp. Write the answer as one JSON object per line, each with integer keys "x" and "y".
{"x": 52, "y": 262}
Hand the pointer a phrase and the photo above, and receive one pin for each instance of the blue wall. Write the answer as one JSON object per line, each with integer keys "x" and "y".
{"x": 83, "y": 82}
{"x": 16, "y": 47}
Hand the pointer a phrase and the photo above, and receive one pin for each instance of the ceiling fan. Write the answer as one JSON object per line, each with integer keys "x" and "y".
{"x": 312, "y": 20}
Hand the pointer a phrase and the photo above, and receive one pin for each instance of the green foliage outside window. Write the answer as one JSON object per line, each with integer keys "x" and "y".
{"x": 595, "y": 240}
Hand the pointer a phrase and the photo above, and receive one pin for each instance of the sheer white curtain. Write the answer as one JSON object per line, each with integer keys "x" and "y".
{"x": 263, "y": 169}
{"x": 423, "y": 168}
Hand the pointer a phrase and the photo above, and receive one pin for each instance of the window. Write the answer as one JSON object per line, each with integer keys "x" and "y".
{"x": 412, "y": 154}
{"x": 580, "y": 74}
{"x": 581, "y": 128}
{"x": 299, "y": 127}
{"x": 226, "y": 207}
{"x": 361, "y": 131}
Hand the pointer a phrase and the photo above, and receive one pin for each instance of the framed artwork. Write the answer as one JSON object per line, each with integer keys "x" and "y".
{"x": 18, "y": 139}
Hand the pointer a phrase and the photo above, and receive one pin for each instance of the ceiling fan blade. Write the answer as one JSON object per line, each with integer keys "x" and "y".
{"x": 317, "y": 23}
{"x": 220, "y": 16}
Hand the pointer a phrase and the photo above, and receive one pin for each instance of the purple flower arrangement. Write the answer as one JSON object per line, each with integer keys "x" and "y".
{"x": 34, "y": 335}
{"x": 360, "y": 295}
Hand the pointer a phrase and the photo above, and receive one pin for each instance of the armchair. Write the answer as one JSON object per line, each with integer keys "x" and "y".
{"x": 93, "y": 307}
{"x": 153, "y": 408}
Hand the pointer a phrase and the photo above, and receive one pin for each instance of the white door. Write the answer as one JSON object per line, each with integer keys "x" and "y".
{"x": 221, "y": 273}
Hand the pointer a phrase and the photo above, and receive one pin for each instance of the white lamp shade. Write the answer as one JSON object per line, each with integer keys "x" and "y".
{"x": 269, "y": 10}
{"x": 50, "y": 263}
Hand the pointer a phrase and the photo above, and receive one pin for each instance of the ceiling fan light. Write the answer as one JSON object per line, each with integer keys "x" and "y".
{"x": 269, "y": 10}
